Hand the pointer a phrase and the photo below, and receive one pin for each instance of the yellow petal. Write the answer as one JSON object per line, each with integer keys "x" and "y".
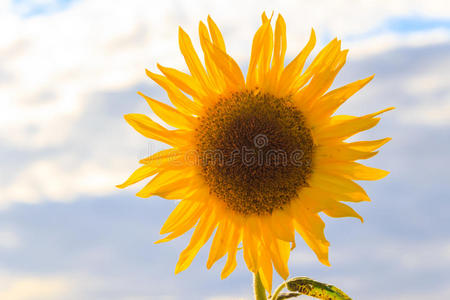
{"x": 214, "y": 74}
{"x": 263, "y": 64}
{"x": 368, "y": 145}
{"x": 184, "y": 82}
{"x": 183, "y": 227}
{"x": 321, "y": 62}
{"x": 338, "y": 119}
{"x": 228, "y": 68}
{"x": 282, "y": 225}
{"x": 320, "y": 83}
{"x": 284, "y": 249}
{"x": 192, "y": 61}
{"x": 166, "y": 181}
{"x": 259, "y": 43}
{"x": 318, "y": 200}
{"x": 230, "y": 265}
{"x": 251, "y": 244}
{"x": 216, "y": 34}
{"x": 266, "y": 270}
{"x": 340, "y": 152}
{"x": 220, "y": 243}
{"x": 181, "y": 189}
{"x": 311, "y": 228}
{"x": 338, "y": 185}
{"x": 170, "y": 115}
{"x": 184, "y": 211}
{"x": 279, "y": 47}
{"x": 180, "y": 100}
{"x": 140, "y": 174}
{"x": 150, "y": 129}
{"x": 294, "y": 68}
{"x": 201, "y": 235}
{"x": 341, "y": 210}
{"x": 162, "y": 156}
{"x": 331, "y": 101}
{"x": 264, "y": 18}
{"x": 326, "y": 57}
{"x": 279, "y": 251}
{"x": 354, "y": 171}
{"x": 345, "y": 128}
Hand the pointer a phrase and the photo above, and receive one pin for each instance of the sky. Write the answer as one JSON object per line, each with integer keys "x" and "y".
{"x": 70, "y": 70}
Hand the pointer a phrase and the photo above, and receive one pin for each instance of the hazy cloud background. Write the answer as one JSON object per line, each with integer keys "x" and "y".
{"x": 70, "y": 69}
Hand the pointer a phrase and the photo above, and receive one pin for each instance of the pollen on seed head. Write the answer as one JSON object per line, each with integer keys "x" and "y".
{"x": 255, "y": 151}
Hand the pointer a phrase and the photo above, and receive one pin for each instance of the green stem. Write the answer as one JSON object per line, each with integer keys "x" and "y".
{"x": 260, "y": 292}
{"x": 278, "y": 290}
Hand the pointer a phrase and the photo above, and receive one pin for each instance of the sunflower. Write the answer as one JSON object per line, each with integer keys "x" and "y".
{"x": 255, "y": 160}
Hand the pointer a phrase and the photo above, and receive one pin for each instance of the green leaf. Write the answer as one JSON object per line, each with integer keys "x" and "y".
{"x": 284, "y": 296}
{"x": 309, "y": 287}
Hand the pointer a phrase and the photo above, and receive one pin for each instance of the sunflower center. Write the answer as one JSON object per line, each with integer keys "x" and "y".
{"x": 255, "y": 151}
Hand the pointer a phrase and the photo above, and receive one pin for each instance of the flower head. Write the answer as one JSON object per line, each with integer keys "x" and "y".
{"x": 255, "y": 160}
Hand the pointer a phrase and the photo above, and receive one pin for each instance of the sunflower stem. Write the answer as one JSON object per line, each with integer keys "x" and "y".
{"x": 278, "y": 291}
{"x": 260, "y": 292}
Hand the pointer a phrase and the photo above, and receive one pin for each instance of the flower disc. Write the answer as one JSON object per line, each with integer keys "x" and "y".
{"x": 255, "y": 151}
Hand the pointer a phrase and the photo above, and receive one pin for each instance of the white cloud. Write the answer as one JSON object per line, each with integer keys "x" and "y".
{"x": 428, "y": 114}
{"x": 61, "y": 179}
{"x": 302, "y": 256}
{"x": 408, "y": 256}
{"x": 9, "y": 240}
{"x": 437, "y": 294}
{"x": 413, "y": 257}
{"x": 13, "y": 287}
{"x": 387, "y": 41}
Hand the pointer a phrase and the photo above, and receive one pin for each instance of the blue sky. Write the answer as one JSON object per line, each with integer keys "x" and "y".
{"x": 32, "y": 8}
{"x": 68, "y": 73}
